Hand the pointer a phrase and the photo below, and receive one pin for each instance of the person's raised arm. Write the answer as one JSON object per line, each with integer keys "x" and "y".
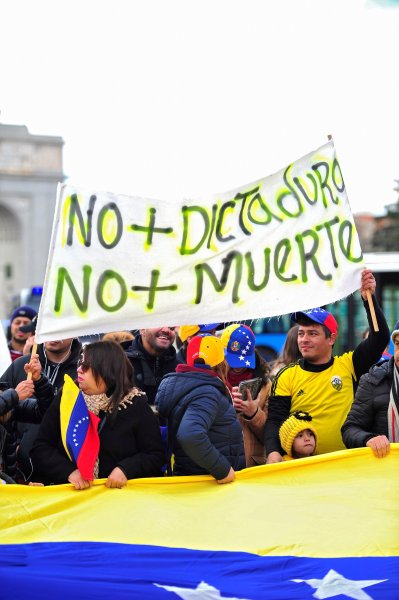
{"x": 31, "y": 410}
{"x": 369, "y": 351}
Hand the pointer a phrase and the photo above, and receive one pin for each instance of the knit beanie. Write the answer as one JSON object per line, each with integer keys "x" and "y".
{"x": 295, "y": 423}
{"x": 395, "y": 331}
{"x": 23, "y": 311}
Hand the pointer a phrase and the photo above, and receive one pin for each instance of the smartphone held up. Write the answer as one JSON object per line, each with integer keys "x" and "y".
{"x": 253, "y": 385}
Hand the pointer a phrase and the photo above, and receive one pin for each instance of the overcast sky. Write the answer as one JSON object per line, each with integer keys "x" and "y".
{"x": 178, "y": 98}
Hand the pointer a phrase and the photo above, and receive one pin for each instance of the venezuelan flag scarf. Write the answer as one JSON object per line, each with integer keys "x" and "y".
{"x": 79, "y": 429}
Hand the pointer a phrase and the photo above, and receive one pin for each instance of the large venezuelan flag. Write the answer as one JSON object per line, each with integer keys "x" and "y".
{"x": 321, "y": 527}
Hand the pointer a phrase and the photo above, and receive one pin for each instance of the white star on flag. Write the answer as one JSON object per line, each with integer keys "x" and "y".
{"x": 244, "y": 351}
{"x": 247, "y": 363}
{"x": 334, "y": 584}
{"x": 203, "y": 591}
{"x": 241, "y": 358}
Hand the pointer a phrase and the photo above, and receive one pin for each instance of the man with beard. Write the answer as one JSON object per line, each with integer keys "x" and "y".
{"x": 57, "y": 358}
{"x": 21, "y": 316}
{"x": 152, "y": 355}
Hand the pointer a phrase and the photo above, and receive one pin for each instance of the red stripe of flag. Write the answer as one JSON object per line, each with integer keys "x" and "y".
{"x": 90, "y": 449}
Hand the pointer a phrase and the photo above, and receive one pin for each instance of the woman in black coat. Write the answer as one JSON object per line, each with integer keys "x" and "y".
{"x": 129, "y": 434}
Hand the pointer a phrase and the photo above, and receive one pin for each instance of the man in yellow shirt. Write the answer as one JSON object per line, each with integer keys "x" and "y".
{"x": 320, "y": 383}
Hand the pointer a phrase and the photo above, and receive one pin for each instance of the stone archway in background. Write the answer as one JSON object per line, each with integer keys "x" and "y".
{"x": 10, "y": 258}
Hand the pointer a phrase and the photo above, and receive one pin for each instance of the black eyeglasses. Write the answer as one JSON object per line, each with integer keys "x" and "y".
{"x": 82, "y": 364}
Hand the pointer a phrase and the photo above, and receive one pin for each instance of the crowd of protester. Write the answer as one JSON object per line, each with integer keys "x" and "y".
{"x": 192, "y": 399}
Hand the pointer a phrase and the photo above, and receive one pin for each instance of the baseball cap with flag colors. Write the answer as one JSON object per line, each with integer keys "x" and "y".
{"x": 207, "y": 347}
{"x": 320, "y": 316}
{"x": 185, "y": 331}
{"x": 239, "y": 343}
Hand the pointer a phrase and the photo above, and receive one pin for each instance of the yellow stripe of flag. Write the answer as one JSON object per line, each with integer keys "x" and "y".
{"x": 341, "y": 504}
{"x": 70, "y": 392}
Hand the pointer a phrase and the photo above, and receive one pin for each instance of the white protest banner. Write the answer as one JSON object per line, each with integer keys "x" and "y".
{"x": 284, "y": 243}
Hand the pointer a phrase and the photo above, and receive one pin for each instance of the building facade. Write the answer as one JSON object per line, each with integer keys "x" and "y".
{"x": 30, "y": 169}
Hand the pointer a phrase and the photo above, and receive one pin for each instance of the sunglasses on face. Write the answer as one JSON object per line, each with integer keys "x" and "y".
{"x": 83, "y": 365}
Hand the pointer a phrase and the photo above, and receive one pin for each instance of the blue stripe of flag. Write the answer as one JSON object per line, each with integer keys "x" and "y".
{"x": 97, "y": 571}
{"x": 77, "y": 428}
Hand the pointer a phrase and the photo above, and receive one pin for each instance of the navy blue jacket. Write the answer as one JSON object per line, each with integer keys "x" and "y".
{"x": 209, "y": 436}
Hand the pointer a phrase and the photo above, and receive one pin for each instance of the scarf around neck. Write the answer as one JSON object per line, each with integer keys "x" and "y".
{"x": 97, "y": 403}
{"x": 235, "y": 379}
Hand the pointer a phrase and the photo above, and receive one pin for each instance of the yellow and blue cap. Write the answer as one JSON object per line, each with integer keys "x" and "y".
{"x": 239, "y": 343}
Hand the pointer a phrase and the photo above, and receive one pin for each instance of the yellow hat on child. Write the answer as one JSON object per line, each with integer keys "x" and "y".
{"x": 295, "y": 423}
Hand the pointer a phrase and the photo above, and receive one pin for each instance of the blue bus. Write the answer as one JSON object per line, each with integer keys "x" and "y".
{"x": 271, "y": 332}
{"x": 29, "y": 296}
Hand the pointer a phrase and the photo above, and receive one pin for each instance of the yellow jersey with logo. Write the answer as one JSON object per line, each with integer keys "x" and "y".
{"x": 327, "y": 395}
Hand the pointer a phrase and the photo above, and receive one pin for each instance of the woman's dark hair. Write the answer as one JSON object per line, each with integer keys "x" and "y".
{"x": 108, "y": 360}
{"x": 221, "y": 371}
{"x": 290, "y": 352}
{"x": 262, "y": 368}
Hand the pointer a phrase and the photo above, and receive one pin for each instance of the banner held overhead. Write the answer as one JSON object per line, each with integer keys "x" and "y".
{"x": 287, "y": 242}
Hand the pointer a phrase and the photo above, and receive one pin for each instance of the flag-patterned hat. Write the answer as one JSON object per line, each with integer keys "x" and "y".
{"x": 208, "y": 347}
{"x": 239, "y": 343}
{"x": 320, "y": 316}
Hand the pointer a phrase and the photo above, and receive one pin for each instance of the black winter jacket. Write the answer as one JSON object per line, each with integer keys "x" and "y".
{"x": 368, "y": 416}
{"x": 132, "y": 442}
{"x": 30, "y": 410}
{"x": 150, "y": 369}
{"x": 209, "y": 436}
{"x": 15, "y": 372}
